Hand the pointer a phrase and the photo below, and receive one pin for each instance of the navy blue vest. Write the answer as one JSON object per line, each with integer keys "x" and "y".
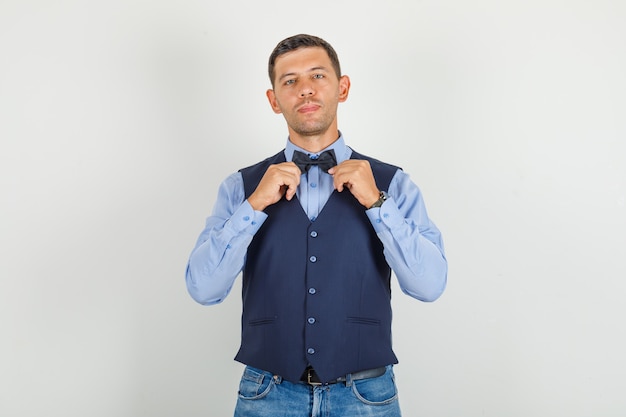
{"x": 316, "y": 292}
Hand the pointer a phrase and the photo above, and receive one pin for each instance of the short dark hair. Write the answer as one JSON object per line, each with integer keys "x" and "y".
{"x": 302, "y": 41}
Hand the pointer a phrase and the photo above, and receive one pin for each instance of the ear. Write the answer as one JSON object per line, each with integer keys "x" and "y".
{"x": 271, "y": 96}
{"x": 344, "y": 88}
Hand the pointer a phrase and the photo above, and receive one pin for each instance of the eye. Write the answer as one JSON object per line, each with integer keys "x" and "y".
{"x": 318, "y": 76}
{"x": 290, "y": 82}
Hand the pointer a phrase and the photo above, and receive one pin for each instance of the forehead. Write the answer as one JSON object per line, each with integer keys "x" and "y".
{"x": 302, "y": 60}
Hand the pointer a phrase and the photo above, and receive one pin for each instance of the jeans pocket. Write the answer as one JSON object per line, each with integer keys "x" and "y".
{"x": 376, "y": 391}
{"x": 255, "y": 384}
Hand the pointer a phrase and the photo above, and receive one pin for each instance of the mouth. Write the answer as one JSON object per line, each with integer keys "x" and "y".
{"x": 308, "y": 108}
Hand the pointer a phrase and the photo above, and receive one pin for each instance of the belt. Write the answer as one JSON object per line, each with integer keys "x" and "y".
{"x": 310, "y": 376}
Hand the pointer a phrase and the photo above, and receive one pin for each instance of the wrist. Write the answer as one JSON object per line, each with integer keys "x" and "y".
{"x": 256, "y": 204}
{"x": 382, "y": 197}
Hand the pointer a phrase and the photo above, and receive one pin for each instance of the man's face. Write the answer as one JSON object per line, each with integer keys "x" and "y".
{"x": 307, "y": 91}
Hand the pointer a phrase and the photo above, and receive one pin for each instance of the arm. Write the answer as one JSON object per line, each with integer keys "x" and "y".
{"x": 219, "y": 254}
{"x": 413, "y": 244}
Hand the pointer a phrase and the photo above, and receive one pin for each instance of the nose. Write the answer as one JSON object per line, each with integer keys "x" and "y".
{"x": 306, "y": 90}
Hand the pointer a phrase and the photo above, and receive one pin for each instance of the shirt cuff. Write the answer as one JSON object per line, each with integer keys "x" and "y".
{"x": 385, "y": 217}
{"x": 246, "y": 219}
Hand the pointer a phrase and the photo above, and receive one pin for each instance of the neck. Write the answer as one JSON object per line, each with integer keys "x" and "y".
{"x": 314, "y": 143}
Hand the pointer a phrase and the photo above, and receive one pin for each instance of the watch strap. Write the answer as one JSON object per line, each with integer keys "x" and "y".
{"x": 382, "y": 197}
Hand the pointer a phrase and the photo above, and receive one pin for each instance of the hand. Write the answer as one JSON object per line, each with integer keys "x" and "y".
{"x": 278, "y": 180}
{"x": 356, "y": 175}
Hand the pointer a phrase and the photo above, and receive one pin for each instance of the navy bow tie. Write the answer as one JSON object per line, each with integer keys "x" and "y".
{"x": 325, "y": 161}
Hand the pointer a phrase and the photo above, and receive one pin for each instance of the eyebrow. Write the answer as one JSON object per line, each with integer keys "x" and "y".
{"x": 289, "y": 74}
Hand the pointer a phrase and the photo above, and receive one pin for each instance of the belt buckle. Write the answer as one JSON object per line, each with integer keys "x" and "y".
{"x": 308, "y": 378}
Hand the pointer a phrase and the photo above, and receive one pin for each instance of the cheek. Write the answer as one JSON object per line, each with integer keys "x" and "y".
{"x": 285, "y": 102}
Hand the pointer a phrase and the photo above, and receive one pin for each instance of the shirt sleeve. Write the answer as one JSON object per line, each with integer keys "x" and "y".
{"x": 413, "y": 245}
{"x": 220, "y": 251}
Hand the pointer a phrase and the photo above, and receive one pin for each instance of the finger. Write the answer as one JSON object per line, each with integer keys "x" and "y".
{"x": 291, "y": 168}
{"x": 289, "y": 191}
{"x": 339, "y": 184}
{"x": 292, "y": 186}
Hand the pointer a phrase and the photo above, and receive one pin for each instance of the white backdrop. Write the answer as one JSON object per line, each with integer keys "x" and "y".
{"x": 119, "y": 119}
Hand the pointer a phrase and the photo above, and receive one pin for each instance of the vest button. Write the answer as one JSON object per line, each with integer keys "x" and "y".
{"x": 313, "y": 233}
{"x": 310, "y": 351}
{"x": 311, "y": 320}
{"x": 313, "y": 259}
{"x": 312, "y": 290}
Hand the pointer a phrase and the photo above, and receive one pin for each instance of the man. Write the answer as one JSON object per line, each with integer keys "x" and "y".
{"x": 316, "y": 230}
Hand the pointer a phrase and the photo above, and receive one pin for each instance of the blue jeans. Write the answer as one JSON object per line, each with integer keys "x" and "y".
{"x": 262, "y": 394}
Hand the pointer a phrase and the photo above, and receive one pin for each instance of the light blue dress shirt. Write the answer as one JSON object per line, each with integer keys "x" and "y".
{"x": 413, "y": 245}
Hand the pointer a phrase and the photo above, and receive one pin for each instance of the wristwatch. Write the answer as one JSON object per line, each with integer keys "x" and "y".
{"x": 381, "y": 199}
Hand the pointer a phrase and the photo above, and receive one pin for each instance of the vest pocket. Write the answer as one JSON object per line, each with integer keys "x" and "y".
{"x": 261, "y": 321}
{"x": 363, "y": 320}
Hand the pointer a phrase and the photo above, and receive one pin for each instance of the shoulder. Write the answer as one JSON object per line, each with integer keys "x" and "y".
{"x": 383, "y": 171}
{"x": 374, "y": 161}
{"x": 264, "y": 164}
{"x": 252, "y": 174}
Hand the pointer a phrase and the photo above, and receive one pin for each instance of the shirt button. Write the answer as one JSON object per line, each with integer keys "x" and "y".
{"x": 378, "y": 220}
{"x": 313, "y": 218}
{"x": 313, "y": 185}
{"x": 312, "y": 290}
{"x": 313, "y": 259}
{"x": 311, "y": 320}
{"x": 310, "y": 351}
{"x": 314, "y": 234}
{"x": 246, "y": 218}
{"x": 386, "y": 215}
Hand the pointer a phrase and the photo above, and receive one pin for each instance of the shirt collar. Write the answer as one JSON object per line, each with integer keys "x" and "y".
{"x": 342, "y": 152}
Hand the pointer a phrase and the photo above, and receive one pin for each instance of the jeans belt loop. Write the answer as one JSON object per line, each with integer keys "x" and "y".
{"x": 349, "y": 380}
